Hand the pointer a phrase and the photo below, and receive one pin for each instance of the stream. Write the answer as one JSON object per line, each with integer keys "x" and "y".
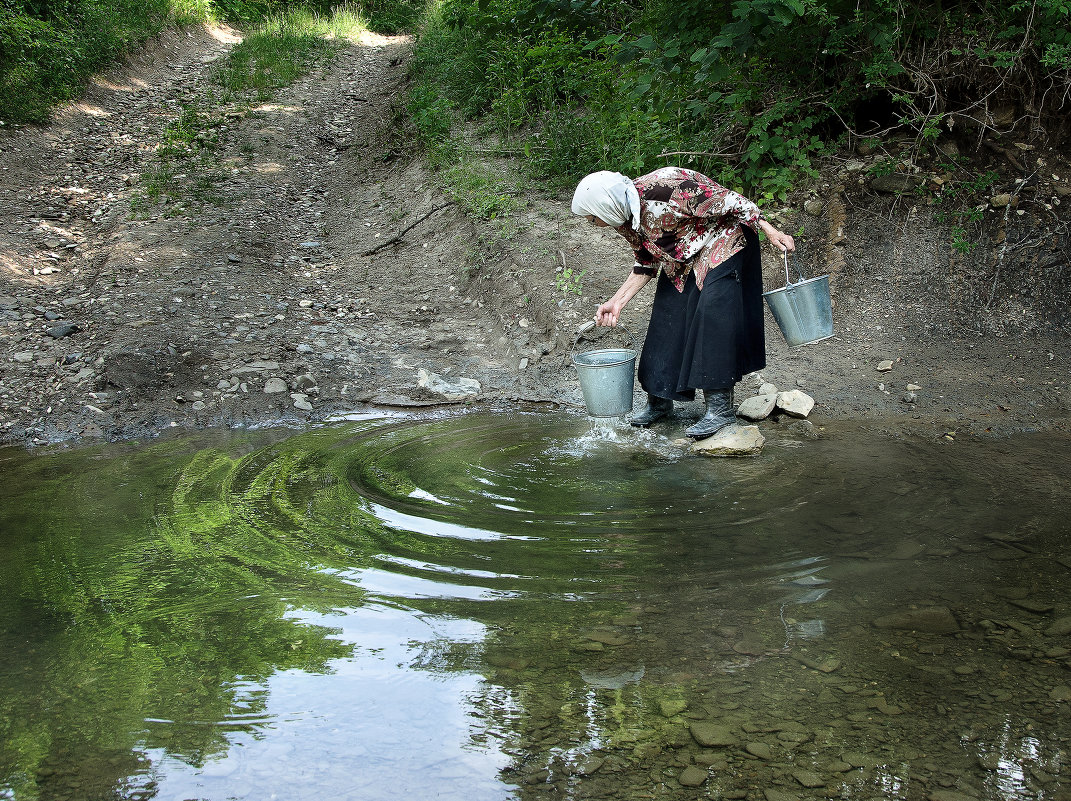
{"x": 527, "y": 605}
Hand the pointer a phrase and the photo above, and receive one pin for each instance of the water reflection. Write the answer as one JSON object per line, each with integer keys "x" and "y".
{"x": 490, "y": 606}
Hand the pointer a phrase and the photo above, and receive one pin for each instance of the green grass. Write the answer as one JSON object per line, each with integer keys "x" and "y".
{"x": 285, "y": 47}
{"x": 272, "y": 55}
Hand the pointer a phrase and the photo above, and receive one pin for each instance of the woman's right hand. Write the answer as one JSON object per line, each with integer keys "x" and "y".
{"x": 608, "y": 313}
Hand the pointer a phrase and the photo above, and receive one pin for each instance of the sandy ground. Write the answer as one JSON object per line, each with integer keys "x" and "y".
{"x": 264, "y": 303}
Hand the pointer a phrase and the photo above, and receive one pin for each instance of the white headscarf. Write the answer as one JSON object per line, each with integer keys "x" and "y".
{"x": 610, "y": 196}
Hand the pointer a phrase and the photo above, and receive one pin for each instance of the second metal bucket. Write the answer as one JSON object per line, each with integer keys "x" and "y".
{"x": 804, "y": 310}
{"x": 607, "y": 376}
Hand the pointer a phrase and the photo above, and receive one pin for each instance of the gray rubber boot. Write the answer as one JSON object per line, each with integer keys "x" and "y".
{"x": 720, "y": 413}
{"x": 656, "y": 409}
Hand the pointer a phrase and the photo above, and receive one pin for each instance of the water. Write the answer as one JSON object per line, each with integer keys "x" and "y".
{"x": 488, "y": 606}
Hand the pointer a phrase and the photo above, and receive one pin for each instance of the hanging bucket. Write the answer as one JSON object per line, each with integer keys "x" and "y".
{"x": 606, "y": 376}
{"x": 804, "y": 310}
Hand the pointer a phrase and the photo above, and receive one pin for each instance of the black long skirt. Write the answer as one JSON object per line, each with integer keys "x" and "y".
{"x": 707, "y": 339}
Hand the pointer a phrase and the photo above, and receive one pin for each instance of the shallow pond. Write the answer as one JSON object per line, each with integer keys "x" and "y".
{"x": 498, "y": 606}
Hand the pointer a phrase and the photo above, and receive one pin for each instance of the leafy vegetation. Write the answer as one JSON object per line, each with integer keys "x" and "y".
{"x": 754, "y": 92}
{"x": 272, "y": 55}
{"x": 49, "y": 48}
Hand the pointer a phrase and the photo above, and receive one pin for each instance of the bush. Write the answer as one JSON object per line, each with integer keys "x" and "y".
{"x": 754, "y": 92}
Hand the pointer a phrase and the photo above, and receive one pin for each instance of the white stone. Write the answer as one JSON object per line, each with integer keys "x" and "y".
{"x": 795, "y": 402}
{"x": 301, "y": 401}
{"x": 885, "y": 366}
{"x": 767, "y": 388}
{"x": 23, "y": 356}
{"x": 759, "y": 407}
{"x": 913, "y": 387}
{"x": 460, "y": 389}
{"x": 733, "y": 440}
{"x": 273, "y": 386}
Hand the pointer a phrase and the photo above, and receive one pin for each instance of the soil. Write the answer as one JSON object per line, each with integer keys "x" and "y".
{"x": 262, "y": 302}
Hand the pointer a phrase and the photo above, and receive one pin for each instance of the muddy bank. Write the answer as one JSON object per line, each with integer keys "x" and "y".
{"x": 280, "y": 296}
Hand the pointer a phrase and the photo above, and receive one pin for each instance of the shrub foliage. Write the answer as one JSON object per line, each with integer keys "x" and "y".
{"x": 49, "y": 48}
{"x": 753, "y": 91}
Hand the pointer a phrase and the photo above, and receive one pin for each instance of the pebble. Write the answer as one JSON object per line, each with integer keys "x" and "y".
{"x": 274, "y": 386}
{"x": 23, "y": 357}
{"x": 758, "y": 408}
{"x": 795, "y": 403}
{"x": 63, "y": 330}
{"x": 885, "y": 366}
{"x": 1060, "y": 693}
{"x": 459, "y": 389}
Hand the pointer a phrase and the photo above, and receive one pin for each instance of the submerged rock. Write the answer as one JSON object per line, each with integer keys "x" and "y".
{"x": 1059, "y": 627}
{"x": 692, "y": 776}
{"x": 733, "y": 440}
{"x": 760, "y": 750}
{"x": 672, "y": 706}
{"x": 712, "y": 735}
{"x": 808, "y": 779}
{"x": 931, "y": 620}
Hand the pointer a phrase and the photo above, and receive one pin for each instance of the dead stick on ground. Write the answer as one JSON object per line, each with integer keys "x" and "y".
{"x": 397, "y": 237}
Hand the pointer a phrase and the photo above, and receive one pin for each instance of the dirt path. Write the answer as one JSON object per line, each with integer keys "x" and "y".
{"x": 267, "y": 304}
{"x": 251, "y": 308}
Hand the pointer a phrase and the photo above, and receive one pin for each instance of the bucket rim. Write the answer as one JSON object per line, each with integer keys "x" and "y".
{"x": 798, "y": 283}
{"x": 627, "y": 355}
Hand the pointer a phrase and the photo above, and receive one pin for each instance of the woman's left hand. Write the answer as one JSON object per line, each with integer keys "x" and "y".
{"x": 782, "y": 241}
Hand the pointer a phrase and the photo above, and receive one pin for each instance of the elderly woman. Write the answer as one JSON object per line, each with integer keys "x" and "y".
{"x": 706, "y": 329}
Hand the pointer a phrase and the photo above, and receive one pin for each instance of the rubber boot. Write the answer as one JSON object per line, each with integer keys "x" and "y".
{"x": 656, "y": 409}
{"x": 720, "y": 413}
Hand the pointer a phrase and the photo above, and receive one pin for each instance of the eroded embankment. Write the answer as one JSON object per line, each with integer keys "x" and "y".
{"x": 268, "y": 283}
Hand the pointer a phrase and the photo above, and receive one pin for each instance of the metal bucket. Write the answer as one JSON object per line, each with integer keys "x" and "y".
{"x": 804, "y": 310}
{"x": 606, "y": 376}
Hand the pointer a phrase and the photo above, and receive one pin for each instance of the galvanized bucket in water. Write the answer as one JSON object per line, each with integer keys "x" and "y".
{"x": 803, "y": 310}
{"x": 606, "y": 376}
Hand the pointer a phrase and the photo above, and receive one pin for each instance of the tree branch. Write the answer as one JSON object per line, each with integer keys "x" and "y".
{"x": 398, "y": 236}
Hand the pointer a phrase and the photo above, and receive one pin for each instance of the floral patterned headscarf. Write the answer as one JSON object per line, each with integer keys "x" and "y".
{"x": 610, "y": 196}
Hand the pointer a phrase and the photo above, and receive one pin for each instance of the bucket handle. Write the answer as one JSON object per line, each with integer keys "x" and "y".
{"x": 591, "y": 324}
{"x": 799, "y": 272}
